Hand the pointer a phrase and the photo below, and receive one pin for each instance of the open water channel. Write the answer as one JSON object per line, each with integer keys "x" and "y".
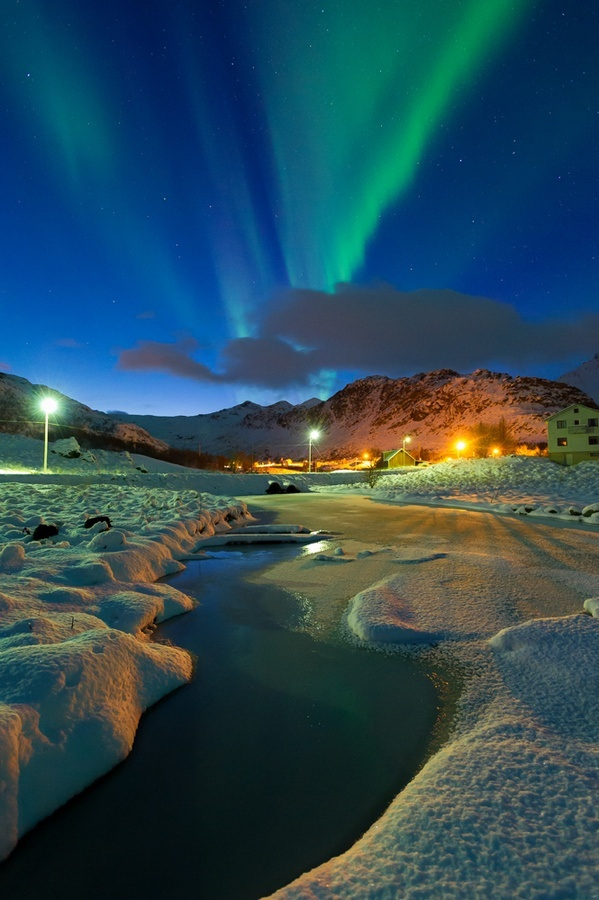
{"x": 279, "y": 755}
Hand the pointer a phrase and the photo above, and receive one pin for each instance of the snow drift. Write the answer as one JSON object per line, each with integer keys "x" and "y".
{"x": 76, "y": 667}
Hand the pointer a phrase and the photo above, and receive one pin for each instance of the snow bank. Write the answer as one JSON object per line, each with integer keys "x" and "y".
{"x": 513, "y": 485}
{"x": 546, "y": 664}
{"x": 76, "y": 668}
{"x": 506, "y": 809}
{"x": 380, "y": 615}
{"x": 70, "y": 711}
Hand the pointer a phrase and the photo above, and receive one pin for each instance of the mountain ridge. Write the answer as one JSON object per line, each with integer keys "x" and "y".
{"x": 433, "y": 408}
{"x": 376, "y": 411}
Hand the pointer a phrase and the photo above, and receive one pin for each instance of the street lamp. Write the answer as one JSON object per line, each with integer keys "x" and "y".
{"x": 48, "y": 406}
{"x": 313, "y": 436}
{"x": 461, "y": 445}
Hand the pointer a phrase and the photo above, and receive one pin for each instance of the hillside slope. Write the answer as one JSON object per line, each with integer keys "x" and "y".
{"x": 20, "y": 413}
{"x": 433, "y": 408}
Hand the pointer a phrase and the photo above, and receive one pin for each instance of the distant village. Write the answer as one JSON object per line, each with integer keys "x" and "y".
{"x": 572, "y": 436}
{"x": 374, "y": 424}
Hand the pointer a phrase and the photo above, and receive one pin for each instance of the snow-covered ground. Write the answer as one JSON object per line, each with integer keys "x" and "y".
{"x": 506, "y": 808}
{"x": 76, "y": 667}
{"x": 514, "y": 484}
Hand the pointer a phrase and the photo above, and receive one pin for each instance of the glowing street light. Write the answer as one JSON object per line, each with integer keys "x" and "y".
{"x": 405, "y": 441}
{"x": 460, "y": 445}
{"x": 496, "y": 451}
{"x": 313, "y": 436}
{"x": 48, "y": 406}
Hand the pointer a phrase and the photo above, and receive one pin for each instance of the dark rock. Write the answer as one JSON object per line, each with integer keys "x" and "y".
{"x": 44, "y": 531}
{"x": 89, "y": 523}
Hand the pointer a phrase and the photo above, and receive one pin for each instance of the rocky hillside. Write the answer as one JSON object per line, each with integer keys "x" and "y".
{"x": 434, "y": 408}
{"x": 20, "y": 413}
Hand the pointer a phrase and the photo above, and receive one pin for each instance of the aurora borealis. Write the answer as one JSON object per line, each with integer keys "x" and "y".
{"x": 209, "y": 202}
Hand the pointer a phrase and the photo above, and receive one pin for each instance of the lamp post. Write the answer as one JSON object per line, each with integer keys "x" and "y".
{"x": 314, "y": 435}
{"x": 405, "y": 441}
{"x": 48, "y": 406}
{"x": 461, "y": 445}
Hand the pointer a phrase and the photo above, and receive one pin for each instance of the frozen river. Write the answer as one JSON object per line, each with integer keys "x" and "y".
{"x": 279, "y": 755}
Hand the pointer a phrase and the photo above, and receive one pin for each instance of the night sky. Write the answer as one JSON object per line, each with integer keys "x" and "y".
{"x": 205, "y": 202}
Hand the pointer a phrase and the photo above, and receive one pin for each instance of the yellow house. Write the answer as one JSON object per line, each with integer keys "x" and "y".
{"x": 396, "y": 459}
{"x": 573, "y": 434}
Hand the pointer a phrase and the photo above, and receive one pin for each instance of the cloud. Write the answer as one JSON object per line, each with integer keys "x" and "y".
{"x": 386, "y": 331}
{"x": 174, "y": 358}
{"x": 374, "y": 330}
{"x": 147, "y": 314}
{"x": 266, "y": 362}
{"x": 263, "y": 362}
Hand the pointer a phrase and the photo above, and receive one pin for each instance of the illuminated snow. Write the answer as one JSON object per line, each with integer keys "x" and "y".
{"x": 507, "y": 807}
{"x": 76, "y": 667}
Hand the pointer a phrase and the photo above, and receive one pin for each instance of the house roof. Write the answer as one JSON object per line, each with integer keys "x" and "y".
{"x": 389, "y": 454}
{"x": 573, "y": 406}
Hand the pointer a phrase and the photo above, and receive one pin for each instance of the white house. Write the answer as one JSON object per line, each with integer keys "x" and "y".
{"x": 573, "y": 434}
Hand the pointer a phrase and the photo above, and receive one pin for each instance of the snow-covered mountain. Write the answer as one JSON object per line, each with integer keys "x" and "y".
{"x": 433, "y": 408}
{"x": 585, "y": 377}
{"x": 20, "y": 413}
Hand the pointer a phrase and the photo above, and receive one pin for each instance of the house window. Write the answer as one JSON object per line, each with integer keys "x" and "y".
{"x": 593, "y": 423}
{"x": 575, "y": 409}
{"x": 561, "y": 423}
{"x": 577, "y": 421}
{"x": 562, "y": 442}
{"x": 593, "y": 440}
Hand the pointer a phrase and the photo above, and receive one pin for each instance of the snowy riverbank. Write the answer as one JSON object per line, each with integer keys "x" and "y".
{"x": 76, "y": 668}
{"x": 506, "y": 808}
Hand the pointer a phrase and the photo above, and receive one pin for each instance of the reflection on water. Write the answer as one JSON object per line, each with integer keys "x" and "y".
{"x": 278, "y": 756}
{"x": 316, "y": 547}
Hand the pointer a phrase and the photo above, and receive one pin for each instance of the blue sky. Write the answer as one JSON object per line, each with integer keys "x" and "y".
{"x": 207, "y": 203}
